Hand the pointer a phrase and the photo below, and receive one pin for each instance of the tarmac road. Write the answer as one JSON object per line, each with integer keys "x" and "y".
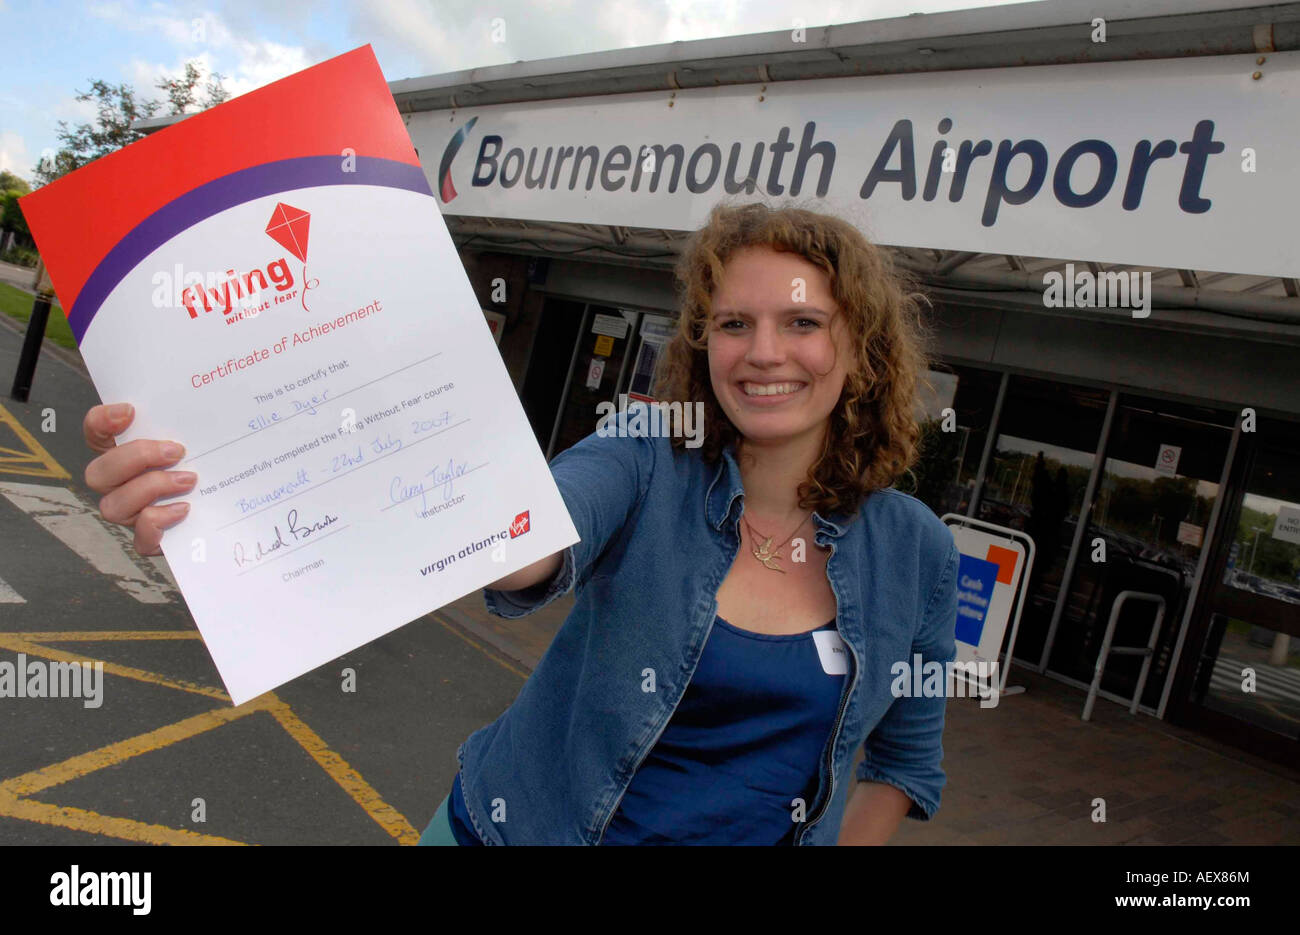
{"x": 307, "y": 764}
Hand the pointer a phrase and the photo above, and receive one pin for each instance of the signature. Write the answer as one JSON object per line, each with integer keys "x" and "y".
{"x": 294, "y": 530}
{"x": 440, "y": 476}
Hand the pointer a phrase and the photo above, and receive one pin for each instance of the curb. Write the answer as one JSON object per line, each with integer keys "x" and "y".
{"x": 508, "y": 653}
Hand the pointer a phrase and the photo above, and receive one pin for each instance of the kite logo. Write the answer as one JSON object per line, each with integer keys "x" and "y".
{"x": 289, "y": 227}
{"x": 445, "y": 188}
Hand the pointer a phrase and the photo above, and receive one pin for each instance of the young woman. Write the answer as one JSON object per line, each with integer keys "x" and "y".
{"x": 741, "y": 607}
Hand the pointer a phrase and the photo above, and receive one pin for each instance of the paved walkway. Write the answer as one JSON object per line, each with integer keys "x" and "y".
{"x": 1027, "y": 771}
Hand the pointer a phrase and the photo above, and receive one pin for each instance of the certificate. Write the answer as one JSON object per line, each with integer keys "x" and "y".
{"x": 272, "y": 285}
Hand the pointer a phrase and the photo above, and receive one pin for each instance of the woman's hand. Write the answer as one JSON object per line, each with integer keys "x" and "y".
{"x": 126, "y": 477}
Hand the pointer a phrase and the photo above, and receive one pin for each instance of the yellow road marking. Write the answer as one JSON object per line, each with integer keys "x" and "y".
{"x": 79, "y": 819}
{"x": 12, "y": 791}
{"x": 19, "y": 645}
{"x": 361, "y": 791}
{"x": 91, "y": 636}
{"x": 39, "y": 780}
{"x": 35, "y": 461}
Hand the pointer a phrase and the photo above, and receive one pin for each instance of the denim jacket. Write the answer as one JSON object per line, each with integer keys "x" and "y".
{"x": 659, "y": 532}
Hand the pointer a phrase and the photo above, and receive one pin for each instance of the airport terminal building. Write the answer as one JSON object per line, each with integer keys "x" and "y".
{"x": 1019, "y": 161}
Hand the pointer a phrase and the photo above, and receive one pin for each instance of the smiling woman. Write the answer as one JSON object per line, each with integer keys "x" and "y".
{"x": 741, "y": 604}
{"x": 780, "y": 297}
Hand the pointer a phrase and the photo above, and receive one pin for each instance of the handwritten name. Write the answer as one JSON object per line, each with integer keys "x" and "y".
{"x": 309, "y": 405}
{"x": 439, "y": 476}
{"x": 296, "y": 531}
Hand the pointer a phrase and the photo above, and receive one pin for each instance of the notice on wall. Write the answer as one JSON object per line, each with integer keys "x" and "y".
{"x": 1287, "y": 525}
{"x": 614, "y": 325}
{"x": 1167, "y": 459}
{"x": 595, "y": 371}
{"x": 1190, "y": 534}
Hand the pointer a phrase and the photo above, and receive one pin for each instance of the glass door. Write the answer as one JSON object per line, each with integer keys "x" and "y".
{"x": 594, "y": 371}
{"x": 1047, "y": 442}
{"x": 1145, "y": 531}
{"x": 947, "y": 465}
{"x": 1241, "y": 676}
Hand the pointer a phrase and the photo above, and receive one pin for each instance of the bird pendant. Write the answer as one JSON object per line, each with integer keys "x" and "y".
{"x": 767, "y": 556}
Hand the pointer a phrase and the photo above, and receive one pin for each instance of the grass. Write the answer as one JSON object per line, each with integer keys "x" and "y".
{"x": 18, "y": 305}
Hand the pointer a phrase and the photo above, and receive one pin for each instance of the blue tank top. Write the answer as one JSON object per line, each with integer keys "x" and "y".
{"x": 746, "y": 740}
{"x": 461, "y": 829}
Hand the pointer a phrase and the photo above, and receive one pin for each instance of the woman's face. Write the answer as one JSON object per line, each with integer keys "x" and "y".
{"x": 772, "y": 345}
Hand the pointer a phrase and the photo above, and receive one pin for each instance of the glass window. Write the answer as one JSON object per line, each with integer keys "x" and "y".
{"x": 1145, "y": 533}
{"x": 1249, "y": 663}
{"x": 1047, "y": 442}
{"x": 950, "y": 452}
{"x": 1265, "y": 553}
{"x": 1255, "y": 675}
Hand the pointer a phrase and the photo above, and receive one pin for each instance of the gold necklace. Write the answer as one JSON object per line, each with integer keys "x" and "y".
{"x": 765, "y": 553}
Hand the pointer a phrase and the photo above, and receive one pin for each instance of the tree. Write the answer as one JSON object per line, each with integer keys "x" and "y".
{"x": 118, "y": 108}
{"x": 180, "y": 91}
{"x": 12, "y": 183}
{"x": 11, "y": 216}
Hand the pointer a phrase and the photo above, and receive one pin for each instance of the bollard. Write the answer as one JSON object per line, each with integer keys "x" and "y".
{"x": 31, "y": 347}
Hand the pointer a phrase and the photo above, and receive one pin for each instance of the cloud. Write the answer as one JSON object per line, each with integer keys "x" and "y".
{"x": 13, "y": 155}
{"x": 454, "y": 35}
{"x": 262, "y": 62}
{"x": 208, "y": 41}
{"x": 73, "y": 110}
{"x": 458, "y": 34}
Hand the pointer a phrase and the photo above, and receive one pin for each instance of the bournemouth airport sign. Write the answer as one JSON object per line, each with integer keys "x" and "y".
{"x": 1180, "y": 162}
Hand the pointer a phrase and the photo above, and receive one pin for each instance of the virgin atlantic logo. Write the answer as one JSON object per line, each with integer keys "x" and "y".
{"x": 445, "y": 188}
{"x": 520, "y": 525}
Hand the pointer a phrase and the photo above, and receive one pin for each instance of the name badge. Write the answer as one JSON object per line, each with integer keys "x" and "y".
{"x": 832, "y": 652}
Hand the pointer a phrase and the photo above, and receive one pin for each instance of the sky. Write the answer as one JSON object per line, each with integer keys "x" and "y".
{"x": 54, "y": 49}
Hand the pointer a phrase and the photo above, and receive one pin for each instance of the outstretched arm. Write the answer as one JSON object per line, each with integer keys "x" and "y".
{"x": 874, "y": 812}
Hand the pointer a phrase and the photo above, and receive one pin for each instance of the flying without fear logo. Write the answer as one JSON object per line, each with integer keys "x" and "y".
{"x": 445, "y": 188}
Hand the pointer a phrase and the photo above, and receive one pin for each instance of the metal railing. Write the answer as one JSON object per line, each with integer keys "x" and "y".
{"x": 1147, "y": 651}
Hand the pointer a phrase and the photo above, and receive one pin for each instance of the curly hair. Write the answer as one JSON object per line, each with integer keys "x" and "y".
{"x": 873, "y": 432}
